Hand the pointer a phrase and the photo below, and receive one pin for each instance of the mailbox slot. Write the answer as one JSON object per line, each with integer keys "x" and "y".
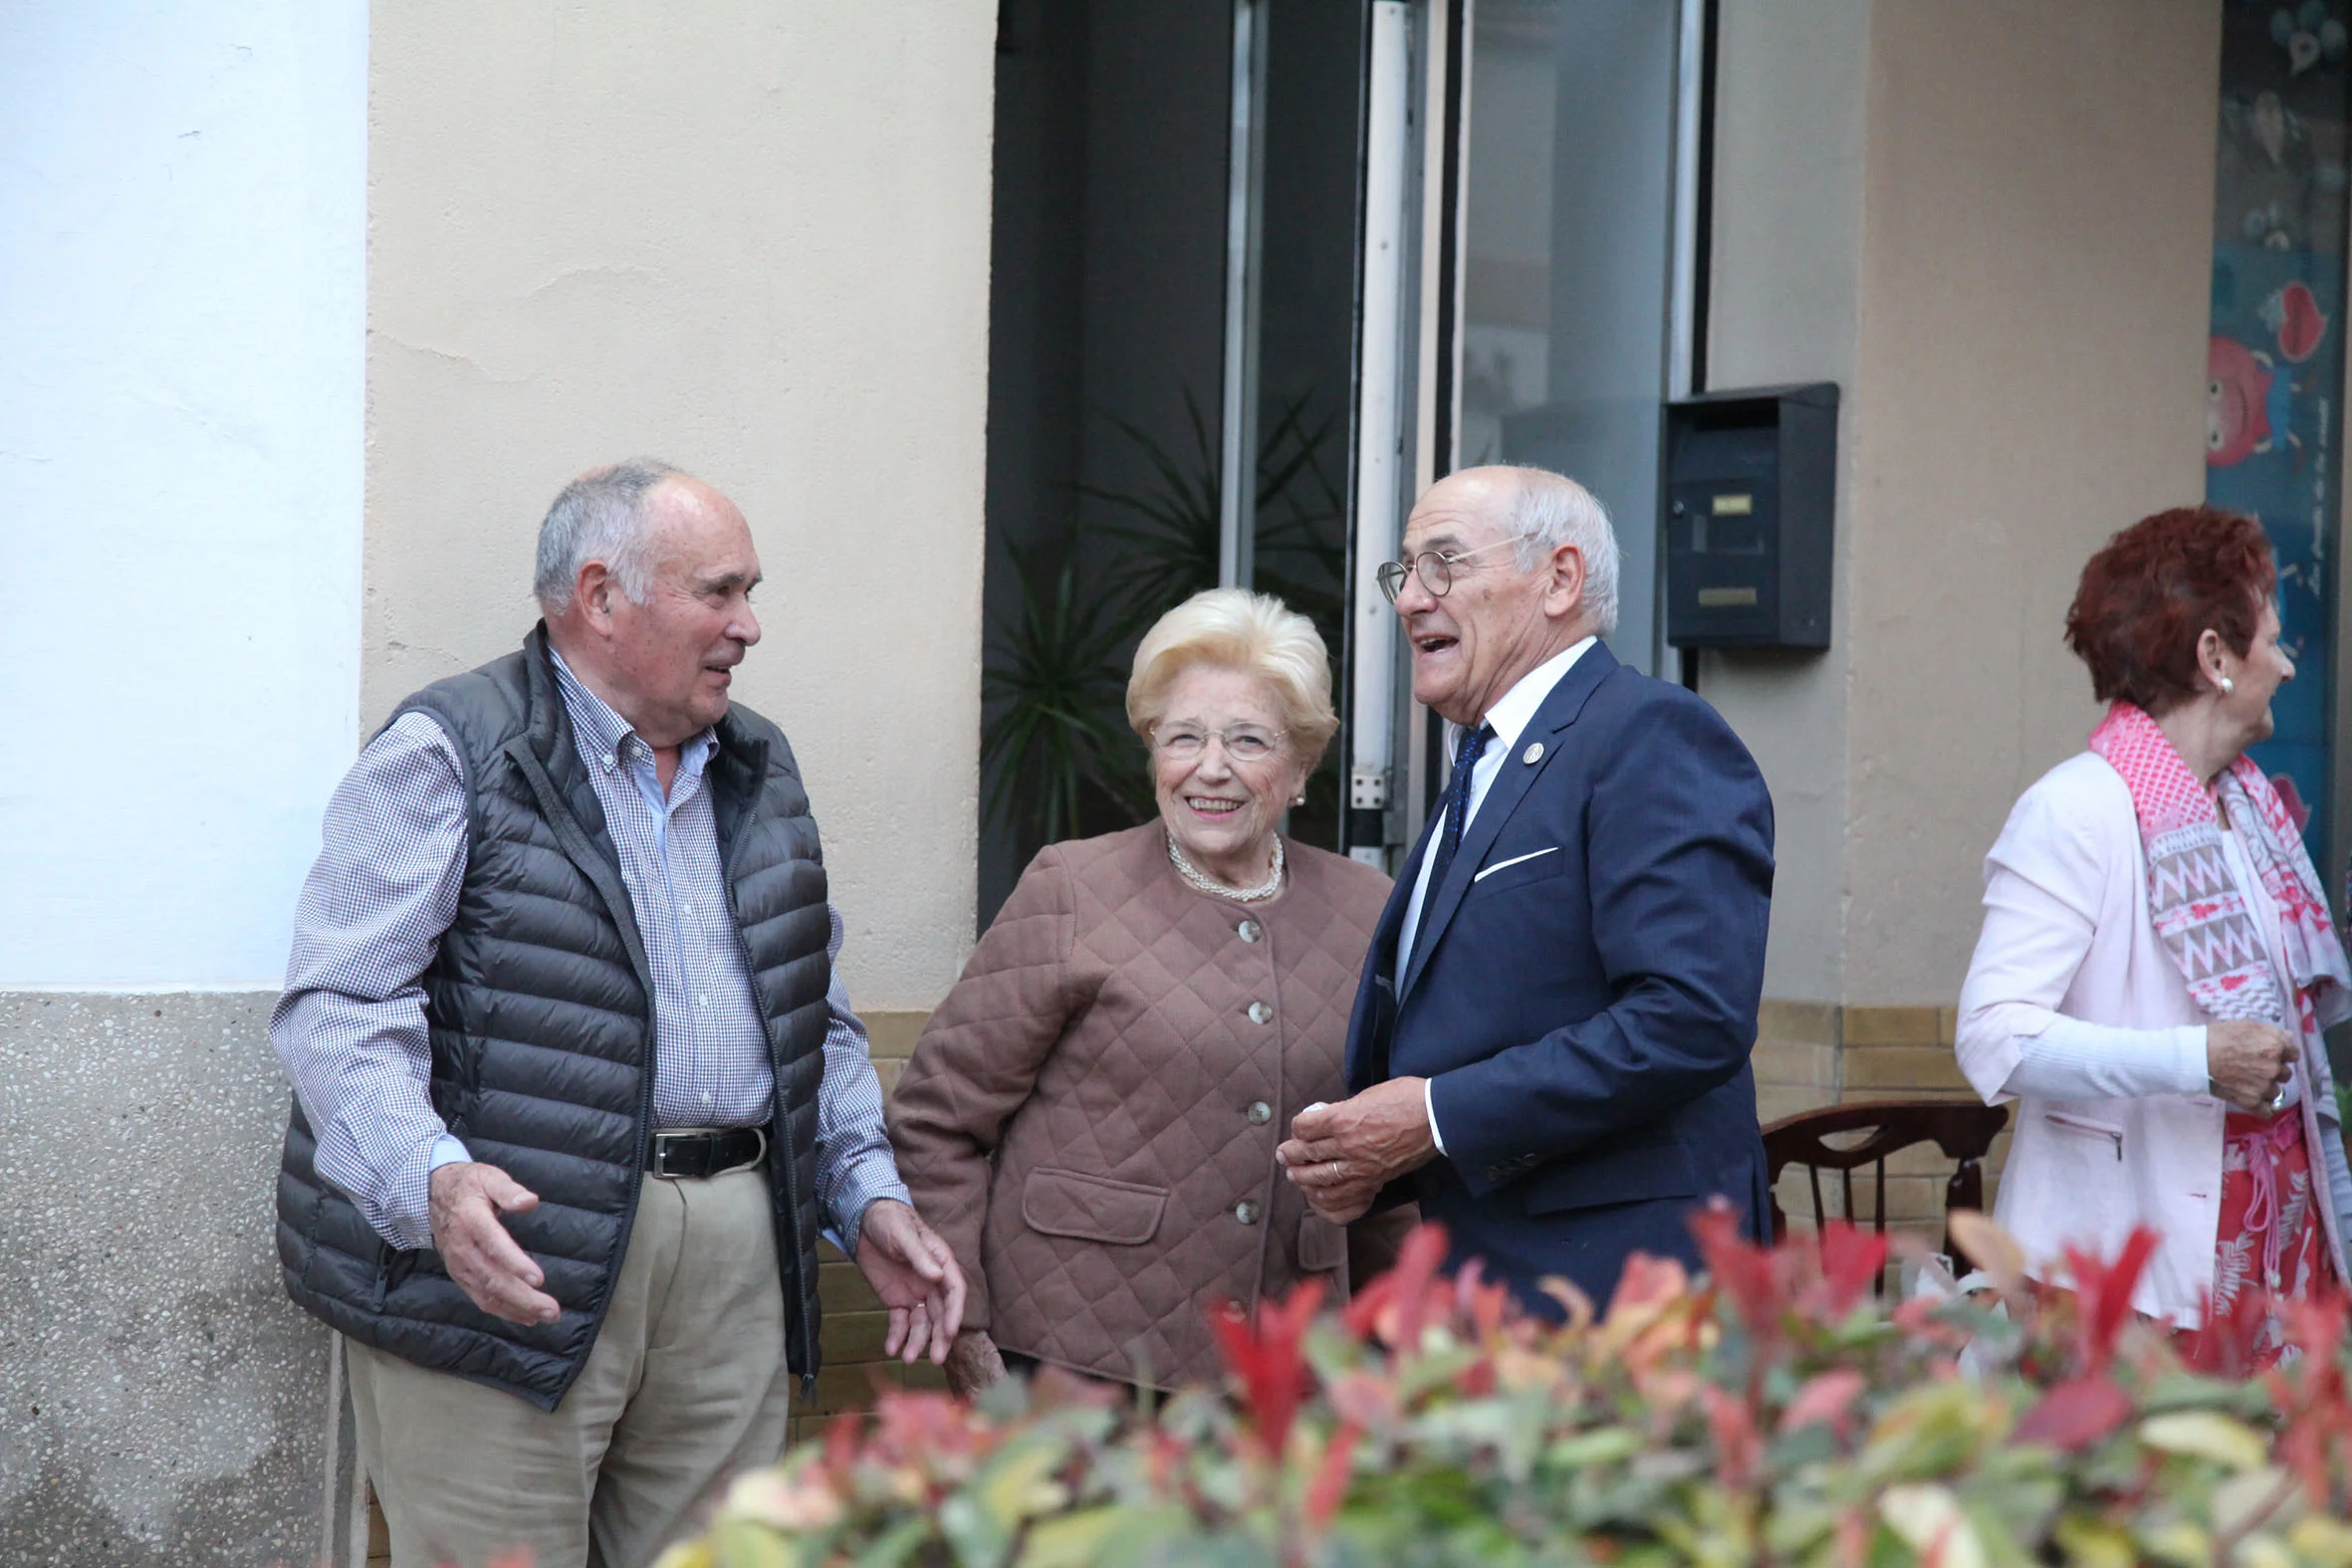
{"x": 1749, "y": 488}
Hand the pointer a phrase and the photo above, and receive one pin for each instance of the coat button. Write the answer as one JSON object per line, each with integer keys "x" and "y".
{"x": 1246, "y": 1211}
{"x": 1234, "y": 1311}
{"x": 1260, "y": 1113}
{"x": 1260, "y": 1013}
{"x": 1251, "y": 931}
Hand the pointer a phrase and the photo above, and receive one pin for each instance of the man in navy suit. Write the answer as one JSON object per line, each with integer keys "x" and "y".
{"x": 1550, "y": 1047}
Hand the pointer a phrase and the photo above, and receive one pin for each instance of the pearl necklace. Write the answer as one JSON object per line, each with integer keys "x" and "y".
{"x": 1209, "y": 884}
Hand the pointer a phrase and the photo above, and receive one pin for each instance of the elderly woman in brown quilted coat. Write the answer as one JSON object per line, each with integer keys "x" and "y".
{"x": 1090, "y": 1116}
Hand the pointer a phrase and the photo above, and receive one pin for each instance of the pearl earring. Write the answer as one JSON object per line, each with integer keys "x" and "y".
{"x": 2228, "y": 686}
{"x": 1298, "y": 799}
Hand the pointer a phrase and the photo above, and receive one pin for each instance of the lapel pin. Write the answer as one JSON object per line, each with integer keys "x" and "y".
{"x": 1533, "y": 754}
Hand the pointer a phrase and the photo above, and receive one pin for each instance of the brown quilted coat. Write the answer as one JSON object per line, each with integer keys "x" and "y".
{"x": 1090, "y": 1116}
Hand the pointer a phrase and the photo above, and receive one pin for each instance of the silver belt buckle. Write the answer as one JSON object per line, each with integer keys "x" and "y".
{"x": 661, "y": 1157}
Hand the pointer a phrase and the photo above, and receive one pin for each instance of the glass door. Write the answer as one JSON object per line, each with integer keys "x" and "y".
{"x": 1568, "y": 249}
{"x": 1172, "y": 333}
{"x": 1548, "y": 212}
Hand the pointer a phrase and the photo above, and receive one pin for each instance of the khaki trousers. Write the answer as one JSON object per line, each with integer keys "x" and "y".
{"x": 686, "y": 1384}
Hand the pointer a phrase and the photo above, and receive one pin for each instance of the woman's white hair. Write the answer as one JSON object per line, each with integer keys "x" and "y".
{"x": 1235, "y": 629}
{"x": 600, "y": 516}
{"x": 1552, "y": 510}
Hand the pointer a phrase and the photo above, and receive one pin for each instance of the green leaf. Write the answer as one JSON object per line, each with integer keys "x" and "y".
{"x": 895, "y": 1545}
{"x": 1929, "y": 1431}
{"x": 1075, "y": 1540}
{"x": 1425, "y": 1375}
{"x": 2209, "y": 1435}
{"x": 2176, "y": 1541}
{"x": 2258, "y": 1499}
{"x": 982, "y": 1520}
{"x": 2094, "y": 1542}
{"x": 1929, "y": 1520}
{"x": 1796, "y": 1525}
{"x": 1603, "y": 1446}
{"x": 2180, "y": 1388}
{"x": 2321, "y": 1541}
{"x": 740, "y": 1543}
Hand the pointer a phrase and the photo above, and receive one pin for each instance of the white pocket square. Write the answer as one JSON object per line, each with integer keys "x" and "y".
{"x": 1488, "y": 871}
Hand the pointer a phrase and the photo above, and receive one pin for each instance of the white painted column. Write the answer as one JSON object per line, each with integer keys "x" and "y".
{"x": 181, "y": 351}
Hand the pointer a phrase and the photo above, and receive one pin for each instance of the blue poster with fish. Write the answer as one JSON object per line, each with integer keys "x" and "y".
{"x": 2274, "y": 371}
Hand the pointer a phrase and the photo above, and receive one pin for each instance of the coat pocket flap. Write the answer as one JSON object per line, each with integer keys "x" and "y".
{"x": 1091, "y": 1208}
{"x": 1622, "y": 1176}
{"x": 1323, "y": 1246}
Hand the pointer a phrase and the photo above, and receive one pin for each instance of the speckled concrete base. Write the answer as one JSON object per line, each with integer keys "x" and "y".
{"x": 164, "y": 1403}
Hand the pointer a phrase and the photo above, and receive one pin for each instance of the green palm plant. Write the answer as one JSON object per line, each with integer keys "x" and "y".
{"x": 1058, "y": 699}
{"x": 1056, "y": 736}
{"x": 1173, "y": 530}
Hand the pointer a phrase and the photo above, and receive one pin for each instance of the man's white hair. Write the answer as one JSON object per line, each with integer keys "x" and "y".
{"x": 1552, "y": 510}
{"x": 600, "y": 516}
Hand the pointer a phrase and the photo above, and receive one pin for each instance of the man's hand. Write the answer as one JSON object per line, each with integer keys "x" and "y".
{"x": 974, "y": 1364}
{"x": 1340, "y": 1156}
{"x": 915, "y": 1274}
{"x": 2248, "y": 1062}
{"x": 494, "y": 1272}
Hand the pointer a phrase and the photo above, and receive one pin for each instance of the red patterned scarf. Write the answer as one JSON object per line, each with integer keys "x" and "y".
{"x": 2198, "y": 912}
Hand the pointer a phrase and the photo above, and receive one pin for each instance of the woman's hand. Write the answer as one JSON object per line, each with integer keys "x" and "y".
{"x": 973, "y": 1363}
{"x": 2248, "y": 1062}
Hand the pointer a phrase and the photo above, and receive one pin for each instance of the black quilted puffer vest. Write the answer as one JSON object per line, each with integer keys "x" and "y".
{"x": 542, "y": 1016}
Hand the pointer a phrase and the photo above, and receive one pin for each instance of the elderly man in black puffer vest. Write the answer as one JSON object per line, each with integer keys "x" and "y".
{"x": 575, "y": 1087}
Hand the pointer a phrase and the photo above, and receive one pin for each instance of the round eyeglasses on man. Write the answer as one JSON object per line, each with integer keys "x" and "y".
{"x": 1434, "y": 568}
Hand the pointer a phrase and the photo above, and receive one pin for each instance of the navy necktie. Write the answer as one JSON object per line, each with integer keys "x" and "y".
{"x": 1466, "y": 755}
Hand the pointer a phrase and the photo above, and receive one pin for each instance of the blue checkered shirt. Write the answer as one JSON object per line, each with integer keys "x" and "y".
{"x": 351, "y": 1028}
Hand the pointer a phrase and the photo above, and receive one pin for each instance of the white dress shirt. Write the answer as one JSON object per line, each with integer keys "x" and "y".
{"x": 1513, "y": 712}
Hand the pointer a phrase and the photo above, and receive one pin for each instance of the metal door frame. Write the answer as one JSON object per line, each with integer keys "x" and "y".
{"x": 1418, "y": 100}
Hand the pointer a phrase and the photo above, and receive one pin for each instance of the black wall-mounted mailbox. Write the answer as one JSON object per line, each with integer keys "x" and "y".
{"x": 1750, "y": 481}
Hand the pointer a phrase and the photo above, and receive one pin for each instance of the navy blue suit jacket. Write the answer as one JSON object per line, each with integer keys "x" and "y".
{"x": 1585, "y": 1011}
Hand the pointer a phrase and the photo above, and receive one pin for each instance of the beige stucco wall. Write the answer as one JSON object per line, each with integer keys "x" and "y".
{"x": 750, "y": 237}
{"x": 2035, "y": 282}
{"x": 1783, "y": 307}
{"x": 1991, "y": 223}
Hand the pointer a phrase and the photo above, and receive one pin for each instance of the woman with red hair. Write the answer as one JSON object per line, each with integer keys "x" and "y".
{"x": 2157, "y": 960}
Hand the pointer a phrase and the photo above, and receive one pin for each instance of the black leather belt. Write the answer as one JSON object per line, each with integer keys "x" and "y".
{"x": 691, "y": 1156}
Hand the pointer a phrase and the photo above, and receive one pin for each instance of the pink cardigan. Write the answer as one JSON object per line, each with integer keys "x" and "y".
{"x": 2067, "y": 931}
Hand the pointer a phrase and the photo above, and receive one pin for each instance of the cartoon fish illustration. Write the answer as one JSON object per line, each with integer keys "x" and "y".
{"x": 2237, "y": 401}
{"x": 2293, "y": 312}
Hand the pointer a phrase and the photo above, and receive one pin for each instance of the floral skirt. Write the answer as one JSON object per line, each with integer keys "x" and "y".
{"x": 2272, "y": 1245}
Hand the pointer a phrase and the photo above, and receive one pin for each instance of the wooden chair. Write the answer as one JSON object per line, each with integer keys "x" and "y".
{"x": 1961, "y": 1129}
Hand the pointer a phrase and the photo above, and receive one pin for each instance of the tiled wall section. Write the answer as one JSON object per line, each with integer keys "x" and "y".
{"x": 1810, "y": 1054}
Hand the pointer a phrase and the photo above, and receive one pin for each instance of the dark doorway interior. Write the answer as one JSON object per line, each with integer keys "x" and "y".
{"x": 1106, "y": 371}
